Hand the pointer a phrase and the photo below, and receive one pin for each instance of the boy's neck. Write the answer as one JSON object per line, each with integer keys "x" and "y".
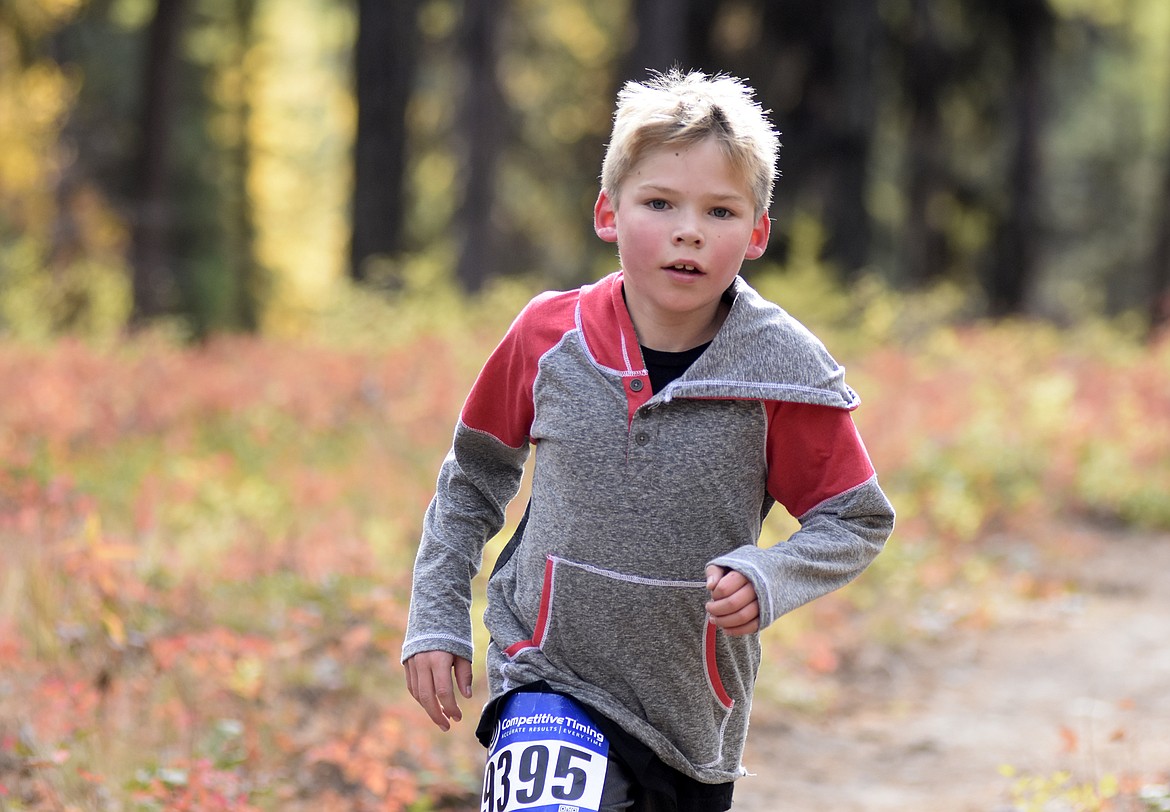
{"x": 679, "y": 334}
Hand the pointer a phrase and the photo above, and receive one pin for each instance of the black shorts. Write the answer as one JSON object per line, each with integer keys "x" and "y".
{"x": 636, "y": 779}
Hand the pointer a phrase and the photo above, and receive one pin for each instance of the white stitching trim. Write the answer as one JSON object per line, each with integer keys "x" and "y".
{"x": 621, "y": 576}
{"x": 722, "y": 735}
{"x": 449, "y": 637}
{"x": 629, "y": 372}
{"x": 779, "y": 387}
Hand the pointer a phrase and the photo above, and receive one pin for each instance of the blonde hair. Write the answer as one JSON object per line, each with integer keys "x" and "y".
{"x": 676, "y": 108}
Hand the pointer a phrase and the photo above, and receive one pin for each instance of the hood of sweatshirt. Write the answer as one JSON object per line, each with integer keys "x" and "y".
{"x": 784, "y": 361}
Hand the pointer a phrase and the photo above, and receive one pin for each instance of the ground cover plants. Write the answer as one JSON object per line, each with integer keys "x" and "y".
{"x": 205, "y": 550}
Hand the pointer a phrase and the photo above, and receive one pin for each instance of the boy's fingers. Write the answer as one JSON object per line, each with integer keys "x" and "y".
{"x": 726, "y": 584}
{"x": 735, "y": 617}
{"x": 445, "y": 696}
{"x": 725, "y": 604}
{"x": 734, "y": 606}
{"x": 714, "y": 573}
{"x": 426, "y": 694}
{"x": 429, "y": 681}
{"x": 463, "y": 676}
{"x": 744, "y": 622}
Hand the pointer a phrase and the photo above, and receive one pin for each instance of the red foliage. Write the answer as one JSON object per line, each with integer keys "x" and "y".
{"x": 208, "y": 548}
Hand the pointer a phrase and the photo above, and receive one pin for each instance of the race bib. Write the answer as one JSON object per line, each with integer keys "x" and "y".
{"x": 546, "y": 755}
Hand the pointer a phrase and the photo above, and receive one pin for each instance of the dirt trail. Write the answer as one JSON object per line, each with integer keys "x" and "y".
{"x": 1080, "y": 683}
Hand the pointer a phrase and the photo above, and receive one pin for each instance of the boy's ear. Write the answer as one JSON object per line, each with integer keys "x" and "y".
{"x": 605, "y": 218}
{"x": 759, "y": 238}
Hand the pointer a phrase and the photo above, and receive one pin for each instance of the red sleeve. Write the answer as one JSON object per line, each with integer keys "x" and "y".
{"x": 501, "y": 401}
{"x": 814, "y": 453}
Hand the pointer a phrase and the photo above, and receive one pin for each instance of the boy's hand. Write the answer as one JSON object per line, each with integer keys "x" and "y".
{"x": 428, "y": 677}
{"x": 733, "y": 606}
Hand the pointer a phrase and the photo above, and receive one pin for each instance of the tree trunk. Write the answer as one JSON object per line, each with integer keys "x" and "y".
{"x": 1159, "y": 267}
{"x": 924, "y": 244}
{"x": 670, "y": 33}
{"x": 153, "y": 274}
{"x": 386, "y": 57}
{"x": 250, "y": 275}
{"x": 661, "y": 38}
{"x": 856, "y": 38}
{"x": 482, "y": 129}
{"x": 1013, "y": 268}
{"x": 1159, "y": 308}
{"x": 815, "y": 67}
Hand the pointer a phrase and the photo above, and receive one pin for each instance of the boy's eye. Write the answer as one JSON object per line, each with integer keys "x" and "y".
{"x": 721, "y": 212}
{"x": 657, "y": 205}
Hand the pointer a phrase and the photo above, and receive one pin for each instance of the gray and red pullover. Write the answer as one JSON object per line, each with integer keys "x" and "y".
{"x": 634, "y": 493}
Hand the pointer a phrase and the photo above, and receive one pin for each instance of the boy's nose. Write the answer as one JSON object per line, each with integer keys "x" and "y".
{"x": 688, "y": 235}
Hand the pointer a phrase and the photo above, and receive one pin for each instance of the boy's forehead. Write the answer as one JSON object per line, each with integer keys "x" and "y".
{"x": 648, "y": 172}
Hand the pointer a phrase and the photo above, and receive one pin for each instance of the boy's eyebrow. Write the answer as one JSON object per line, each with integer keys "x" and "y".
{"x": 655, "y": 187}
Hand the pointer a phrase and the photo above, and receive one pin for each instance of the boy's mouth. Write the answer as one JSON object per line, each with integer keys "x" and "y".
{"x": 680, "y": 267}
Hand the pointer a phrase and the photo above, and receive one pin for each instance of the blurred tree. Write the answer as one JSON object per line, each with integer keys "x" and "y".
{"x": 1028, "y": 26}
{"x": 928, "y": 70}
{"x": 1159, "y": 262}
{"x": 162, "y": 126}
{"x": 152, "y": 220}
{"x": 660, "y": 37}
{"x": 856, "y": 35}
{"x": 61, "y": 243}
{"x": 559, "y": 69}
{"x": 670, "y": 33}
{"x": 212, "y": 246}
{"x": 914, "y": 138}
{"x": 482, "y": 130}
{"x": 385, "y": 58}
{"x": 1158, "y": 309}
{"x": 815, "y": 65}
{"x": 247, "y": 288}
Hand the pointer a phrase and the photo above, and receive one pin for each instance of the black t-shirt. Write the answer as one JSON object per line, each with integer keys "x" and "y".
{"x": 664, "y": 367}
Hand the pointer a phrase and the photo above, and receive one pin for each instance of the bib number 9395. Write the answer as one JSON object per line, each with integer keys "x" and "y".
{"x": 546, "y": 756}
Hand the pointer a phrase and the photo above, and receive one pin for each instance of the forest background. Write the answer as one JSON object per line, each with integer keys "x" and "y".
{"x": 252, "y": 253}
{"x": 230, "y": 163}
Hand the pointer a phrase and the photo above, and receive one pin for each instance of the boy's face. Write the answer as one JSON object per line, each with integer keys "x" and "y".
{"x": 684, "y": 221}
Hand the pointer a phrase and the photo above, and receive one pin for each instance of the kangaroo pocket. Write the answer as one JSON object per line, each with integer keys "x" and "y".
{"x": 645, "y": 641}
